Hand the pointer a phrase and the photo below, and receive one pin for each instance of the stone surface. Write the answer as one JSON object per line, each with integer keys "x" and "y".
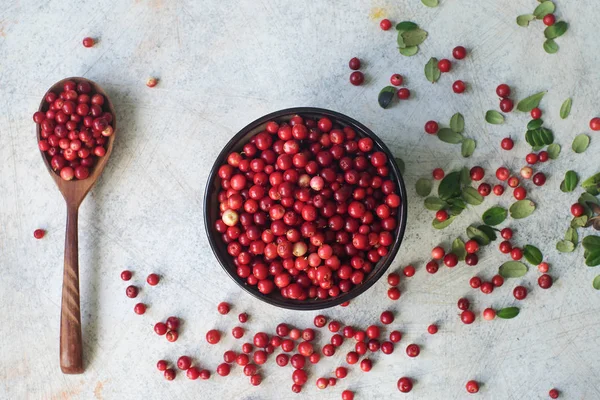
{"x": 222, "y": 65}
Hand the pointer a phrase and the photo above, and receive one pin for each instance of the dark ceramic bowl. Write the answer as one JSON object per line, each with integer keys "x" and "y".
{"x": 211, "y": 209}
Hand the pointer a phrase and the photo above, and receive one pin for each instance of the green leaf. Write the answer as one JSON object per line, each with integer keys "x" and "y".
{"x": 494, "y": 117}
{"x": 508, "y": 312}
{"x": 386, "y": 95}
{"x": 596, "y": 283}
{"x": 550, "y": 46}
{"x": 522, "y": 209}
{"x": 441, "y": 225}
{"x": 533, "y": 255}
{"x": 565, "y": 109}
{"x": 449, "y": 186}
{"x": 580, "y": 143}
{"x": 592, "y": 184}
{"x": 432, "y": 72}
{"x": 586, "y": 198}
{"x": 591, "y": 243}
{"x": 468, "y": 147}
{"x": 414, "y": 37}
{"x": 406, "y": 26}
{"x": 478, "y": 235}
{"x": 457, "y": 205}
{"x": 523, "y": 20}
{"x": 579, "y": 222}
{"x": 564, "y": 246}
{"x": 531, "y": 102}
{"x": 546, "y": 136}
{"x": 401, "y": 165}
{"x": 553, "y": 151}
{"x": 465, "y": 176}
{"x": 472, "y": 196}
{"x": 494, "y": 216}
{"x": 545, "y": 8}
{"x": 457, "y": 123}
{"x": 409, "y": 51}
{"x": 535, "y": 124}
{"x": 423, "y": 187}
{"x": 512, "y": 269}
{"x": 572, "y": 236}
{"x": 448, "y": 136}
{"x": 570, "y": 182}
{"x": 593, "y": 258}
{"x": 556, "y": 30}
{"x": 489, "y": 231}
{"x": 458, "y": 248}
{"x": 435, "y": 204}
{"x": 430, "y": 3}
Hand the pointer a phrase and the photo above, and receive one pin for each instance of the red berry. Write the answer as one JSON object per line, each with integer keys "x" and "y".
{"x": 536, "y": 113}
{"x": 169, "y": 374}
{"x": 347, "y": 395}
{"x": 395, "y": 336}
{"x": 357, "y": 78}
{"x": 438, "y": 174}
{"x": 516, "y": 254}
{"x": 450, "y": 260}
{"x": 513, "y": 182}
{"x": 505, "y": 247}
{"x": 131, "y": 291}
{"x": 489, "y": 314}
{"x": 320, "y": 321}
{"x": 486, "y": 287}
{"x": 213, "y": 336}
{"x": 432, "y": 329}
{"x": 223, "y": 369}
{"x": 39, "y": 233}
{"x": 243, "y": 318}
{"x": 498, "y": 190}
{"x": 396, "y": 79}
{"x": 126, "y": 275}
{"x": 549, "y": 19}
{"x": 471, "y": 259}
{"x": 413, "y": 350}
{"x": 459, "y": 52}
{"x": 543, "y": 267}
{"x": 520, "y": 193}
{"x": 507, "y": 144}
{"x": 497, "y": 280}
{"x": 475, "y": 282}
{"x": 502, "y": 173}
{"x": 553, "y": 393}
{"x": 595, "y": 124}
{"x": 543, "y": 156}
{"x": 385, "y": 24}
{"x": 366, "y": 365}
{"x": 161, "y": 365}
{"x": 223, "y": 308}
{"x": 373, "y": 331}
{"x": 88, "y": 42}
{"x": 431, "y": 267}
{"x": 172, "y": 323}
{"x": 531, "y": 158}
{"x": 545, "y": 281}
{"x": 322, "y": 383}
{"x": 437, "y": 253}
{"x": 153, "y": 279}
{"x": 444, "y": 65}
{"x": 386, "y": 318}
{"x": 139, "y": 308}
{"x": 463, "y": 304}
{"x": 472, "y": 387}
{"x": 458, "y": 86}
{"x": 484, "y": 189}
{"x": 151, "y": 82}
{"x": 577, "y": 210}
{"x": 394, "y": 293}
{"x": 539, "y": 179}
{"x": 354, "y": 63}
{"x": 467, "y": 317}
{"x": 431, "y": 127}
{"x": 393, "y": 279}
{"x": 405, "y": 384}
{"x": 477, "y": 173}
{"x": 160, "y": 328}
{"x": 520, "y": 292}
{"x": 403, "y": 93}
{"x": 409, "y": 271}
{"x": 471, "y": 246}
{"x": 503, "y": 90}
{"x": 237, "y": 332}
{"x": 506, "y": 105}
{"x": 184, "y": 363}
{"x": 506, "y": 233}
{"x": 441, "y": 215}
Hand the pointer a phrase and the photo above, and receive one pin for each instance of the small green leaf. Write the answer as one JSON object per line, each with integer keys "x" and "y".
{"x": 570, "y": 182}
{"x": 406, "y": 26}
{"x": 522, "y": 209}
{"x": 435, "y": 204}
{"x": 596, "y": 283}
{"x": 592, "y": 184}
{"x": 494, "y": 117}
{"x": 472, "y": 196}
{"x": 441, "y": 225}
{"x": 586, "y": 198}
{"x": 579, "y": 222}
{"x": 591, "y": 243}
{"x": 535, "y": 124}
{"x": 512, "y": 269}
{"x": 546, "y": 136}
{"x": 386, "y": 95}
{"x": 468, "y": 147}
{"x": 478, "y": 235}
{"x": 550, "y": 46}
{"x": 414, "y": 37}
{"x": 423, "y": 187}
{"x": 430, "y": 3}
{"x": 593, "y": 258}
{"x": 458, "y": 248}
{"x": 508, "y": 312}
{"x": 401, "y": 165}
{"x": 523, "y": 20}
{"x": 448, "y": 136}
{"x": 545, "y": 8}
{"x": 409, "y": 51}
{"x": 556, "y": 30}
{"x": 533, "y": 255}
{"x": 564, "y": 246}
{"x": 457, "y": 123}
{"x": 580, "y": 143}
{"x": 531, "y": 102}
{"x": 449, "y": 186}
{"x": 457, "y": 205}
{"x": 432, "y": 72}
{"x": 553, "y": 151}
{"x": 565, "y": 109}
{"x": 572, "y": 236}
{"x": 494, "y": 216}
{"x": 489, "y": 231}
{"x": 465, "y": 176}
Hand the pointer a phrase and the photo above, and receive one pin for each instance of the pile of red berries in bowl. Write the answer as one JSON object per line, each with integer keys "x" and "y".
{"x": 75, "y": 126}
{"x": 305, "y": 208}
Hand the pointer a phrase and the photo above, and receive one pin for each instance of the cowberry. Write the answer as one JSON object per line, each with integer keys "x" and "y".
{"x": 438, "y": 174}
{"x": 507, "y": 144}
{"x": 506, "y": 105}
{"x": 467, "y": 317}
{"x": 520, "y": 292}
{"x": 489, "y": 314}
{"x": 506, "y": 233}
{"x": 595, "y": 124}
{"x": 441, "y": 215}
{"x": 354, "y": 63}
{"x": 408, "y": 271}
{"x": 577, "y": 210}
{"x": 545, "y": 281}
{"x": 403, "y": 93}
{"x": 472, "y": 387}
{"x": 475, "y": 282}
{"x": 357, "y": 78}
{"x": 503, "y": 90}
{"x": 549, "y": 19}
{"x": 520, "y": 193}
{"x": 432, "y": 329}
{"x": 502, "y": 173}
{"x": 536, "y": 113}
{"x": 484, "y": 189}
{"x": 477, "y": 173}
{"x": 553, "y": 393}
{"x": 431, "y": 127}
{"x": 385, "y": 24}
{"x": 405, "y": 384}
{"x": 498, "y": 190}
{"x": 396, "y": 79}
{"x": 444, "y": 65}
{"x": 516, "y": 254}
{"x": 458, "y": 86}
{"x": 459, "y": 52}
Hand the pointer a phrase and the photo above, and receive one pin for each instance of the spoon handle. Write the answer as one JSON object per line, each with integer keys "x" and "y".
{"x": 71, "y": 349}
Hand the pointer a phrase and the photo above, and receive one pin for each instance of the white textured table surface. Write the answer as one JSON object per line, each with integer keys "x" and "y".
{"x": 222, "y": 65}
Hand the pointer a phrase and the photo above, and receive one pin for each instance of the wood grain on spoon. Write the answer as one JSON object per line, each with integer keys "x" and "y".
{"x": 74, "y": 191}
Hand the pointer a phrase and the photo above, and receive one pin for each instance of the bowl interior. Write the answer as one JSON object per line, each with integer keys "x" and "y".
{"x": 211, "y": 211}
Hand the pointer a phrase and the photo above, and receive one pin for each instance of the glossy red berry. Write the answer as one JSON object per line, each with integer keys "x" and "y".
{"x": 437, "y": 253}
{"x": 354, "y": 63}
{"x": 539, "y": 179}
{"x": 223, "y": 308}
{"x": 595, "y": 124}
{"x": 39, "y": 233}
{"x": 497, "y": 280}
{"x": 502, "y": 173}
{"x": 393, "y": 279}
{"x": 431, "y": 127}
{"x": 184, "y": 363}
{"x": 484, "y": 189}
{"x": 153, "y": 279}
{"x": 506, "y": 105}
{"x": 223, "y": 369}
{"x": 213, "y": 336}
{"x": 161, "y": 365}
{"x": 320, "y": 321}
{"x": 549, "y": 19}
{"x": 536, "y": 113}
{"x": 409, "y": 271}
{"x": 505, "y": 247}
{"x": 441, "y": 215}
{"x": 131, "y": 291}
{"x": 520, "y": 193}
{"x": 160, "y": 328}
{"x": 459, "y": 52}
{"x": 386, "y": 318}
{"x": 531, "y": 158}
{"x": 498, "y": 190}
{"x": 394, "y": 293}
{"x": 543, "y": 267}
{"x": 385, "y": 24}
{"x": 438, "y": 174}
{"x": 472, "y": 387}
{"x": 516, "y": 254}
{"x": 506, "y": 233}
{"x": 472, "y": 246}
{"x": 543, "y": 156}
{"x": 405, "y": 384}
{"x": 139, "y": 308}
{"x": 520, "y": 292}
{"x": 486, "y": 287}
{"x": 475, "y": 282}
{"x": 450, "y": 260}
{"x": 507, "y": 144}
{"x": 396, "y": 79}
{"x": 403, "y": 93}
{"x": 432, "y": 267}
{"x": 545, "y": 281}
{"x": 357, "y": 78}
{"x": 577, "y": 210}
{"x": 503, "y": 90}
{"x": 243, "y": 318}
{"x": 458, "y": 86}
{"x": 126, "y": 275}
{"x": 169, "y": 374}
{"x": 347, "y": 395}
{"x": 553, "y": 393}
{"x": 172, "y": 336}
{"x": 432, "y": 329}
{"x": 88, "y": 42}
{"x": 444, "y": 65}
{"x": 413, "y": 350}
{"x": 477, "y": 173}
{"x": 471, "y": 259}
{"x": 467, "y": 317}
{"x": 463, "y": 304}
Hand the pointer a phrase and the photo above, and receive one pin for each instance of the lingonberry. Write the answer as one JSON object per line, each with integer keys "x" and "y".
{"x": 393, "y": 279}
{"x": 463, "y": 304}
{"x": 172, "y": 336}
{"x": 255, "y": 380}
{"x": 502, "y": 173}
{"x": 471, "y": 259}
{"x": 444, "y": 65}
{"x": 328, "y": 350}
{"x": 282, "y": 360}
{"x": 486, "y": 287}
{"x": 516, "y": 254}
{"x": 498, "y": 190}
{"x": 467, "y": 317}
{"x": 184, "y": 363}
{"x": 297, "y": 361}
{"x": 341, "y": 372}
{"x": 160, "y": 328}
{"x": 543, "y": 156}
{"x": 432, "y": 267}
{"x": 151, "y": 82}
{"x": 545, "y": 281}
{"x": 432, "y": 329}
{"x": 139, "y": 308}
{"x": 394, "y": 293}
{"x": 352, "y": 357}
{"x": 506, "y": 105}
{"x": 334, "y": 326}
{"x": 387, "y": 347}
{"x": 373, "y": 331}
{"x": 489, "y": 314}
{"x": 437, "y": 253}
{"x": 131, "y": 291}
{"x": 475, "y": 282}
{"x": 39, "y": 233}
{"x": 169, "y": 374}
{"x": 88, "y": 42}
{"x": 553, "y": 393}
{"x": 213, "y": 336}
{"x": 373, "y": 345}
{"x": 413, "y": 350}
{"x": 441, "y": 215}
{"x": 223, "y": 369}
{"x": 577, "y": 210}
{"x": 396, "y": 79}
{"x": 237, "y": 332}
{"x": 513, "y": 182}
{"x": 507, "y": 144}
{"x": 506, "y": 233}
{"x": 503, "y": 90}
{"x": 438, "y": 174}
{"x": 223, "y": 308}
{"x": 386, "y": 318}
{"x": 385, "y": 24}
{"x": 472, "y": 387}
{"x": 296, "y": 388}
{"x": 431, "y": 127}
{"x": 536, "y": 113}
{"x": 126, "y": 275}
{"x": 299, "y": 377}
{"x": 520, "y": 292}
{"x": 539, "y": 179}
{"x": 543, "y": 267}
{"x": 450, "y": 260}
{"x": 354, "y": 63}
{"x": 395, "y": 336}
{"x": 259, "y": 357}
{"x": 357, "y": 78}
{"x": 152, "y": 279}
{"x": 261, "y": 340}
{"x": 405, "y": 384}
{"x": 243, "y": 318}
{"x": 595, "y": 124}
{"x": 497, "y": 280}
{"x": 526, "y": 172}
{"x": 409, "y": 271}
{"x": 520, "y": 193}
{"x": 243, "y": 359}
{"x": 531, "y": 158}
{"x": 172, "y": 323}
{"x": 162, "y": 365}
{"x": 549, "y": 19}
{"x": 320, "y": 321}
{"x": 459, "y": 52}
{"x": 505, "y": 247}
{"x": 472, "y": 246}
{"x": 366, "y": 365}
{"x": 484, "y": 189}
{"x": 403, "y": 93}
{"x": 347, "y": 395}
{"x": 348, "y": 332}
{"x": 323, "y": 382}
{"x": 458, "y": 86}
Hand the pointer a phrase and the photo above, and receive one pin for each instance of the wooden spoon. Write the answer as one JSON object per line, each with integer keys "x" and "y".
{"x": 71, "y": 349}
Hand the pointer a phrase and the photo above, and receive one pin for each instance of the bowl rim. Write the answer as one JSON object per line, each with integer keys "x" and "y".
{"x": 374, "y": 276}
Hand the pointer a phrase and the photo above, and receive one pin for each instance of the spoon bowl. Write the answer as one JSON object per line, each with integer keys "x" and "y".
{"x": 74, "y": 191}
